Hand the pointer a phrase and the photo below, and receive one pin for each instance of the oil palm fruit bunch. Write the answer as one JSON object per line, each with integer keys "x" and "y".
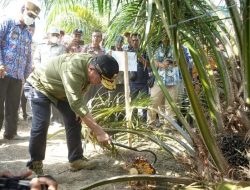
{"x": 235, "y": 147}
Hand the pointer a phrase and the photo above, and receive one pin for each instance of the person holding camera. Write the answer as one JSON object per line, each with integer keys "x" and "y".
{"x": 10, "y": 181}
{"x": 138, "y": 80}
{"x": 76, "y": 45}
{"x": 171, "y": 77}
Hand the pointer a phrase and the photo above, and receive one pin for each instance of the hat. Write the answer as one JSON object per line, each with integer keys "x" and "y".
{"x": 33, "y": 7}
{"x": 77, "y": 31}
{"x": 108, "y": 68}
{"x": 119, "y": 39}
{"x": 54, "y": 31}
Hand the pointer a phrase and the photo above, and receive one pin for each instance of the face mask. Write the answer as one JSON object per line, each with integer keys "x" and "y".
{"x": 54, "y": 40}
{"x": 27, "y": 20}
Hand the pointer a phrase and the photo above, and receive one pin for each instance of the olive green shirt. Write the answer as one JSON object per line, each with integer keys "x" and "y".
{"x": 64, "y": 77}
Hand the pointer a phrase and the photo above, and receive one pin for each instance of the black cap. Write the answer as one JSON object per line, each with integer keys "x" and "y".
{"x": 108, "y": 68}
{"x": 77, "y": 31}
{"x": 119, "y": 39}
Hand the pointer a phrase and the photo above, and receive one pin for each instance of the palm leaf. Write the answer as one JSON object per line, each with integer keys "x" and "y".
{"x": 73, "y": 17}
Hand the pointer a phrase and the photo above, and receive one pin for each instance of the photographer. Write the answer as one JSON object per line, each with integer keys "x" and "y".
{"x": 76, "y": 45}
{"x": 37, "y": 183}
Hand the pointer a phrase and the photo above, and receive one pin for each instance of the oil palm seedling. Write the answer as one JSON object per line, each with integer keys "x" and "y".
{"x": 214, "y": 148}
{"x": 226, "y": 113}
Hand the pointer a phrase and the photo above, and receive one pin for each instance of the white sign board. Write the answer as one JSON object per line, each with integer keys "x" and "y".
{"x": 132, "y": 60}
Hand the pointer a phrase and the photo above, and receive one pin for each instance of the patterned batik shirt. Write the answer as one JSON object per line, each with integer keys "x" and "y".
{"x": 170, "y": 75}
{"x": 94, "y": 51}
{"x": 15, "y": 49}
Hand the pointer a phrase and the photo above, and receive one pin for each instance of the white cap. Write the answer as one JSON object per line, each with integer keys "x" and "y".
{"x": 54, "y": 31}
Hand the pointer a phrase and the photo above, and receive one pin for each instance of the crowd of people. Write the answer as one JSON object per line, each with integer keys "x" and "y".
{"x": 58, "y": 77}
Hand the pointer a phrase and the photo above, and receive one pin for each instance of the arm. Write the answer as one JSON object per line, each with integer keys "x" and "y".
{"x": 3, "y": 32}
{"x": 70, "y": 48}
{"x": 162, "y": 65}
{"x": 100, "y": 134}
{"x": 2, "y": 71}
{"x": 28, "y": 67}
{"x": 144, "y": 60}
{"x": 36, "y": 57}
{"x": 75, "y": 97}
{"x": 36, "y": 183}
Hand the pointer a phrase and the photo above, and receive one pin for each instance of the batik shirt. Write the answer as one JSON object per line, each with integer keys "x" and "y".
{"x": 170, "y": 75}
{"x": 15, "y": 49}
{"x": 94, "y": 51}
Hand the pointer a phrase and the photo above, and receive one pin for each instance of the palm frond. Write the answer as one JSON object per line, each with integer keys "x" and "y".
{"x": 73, "y": 17}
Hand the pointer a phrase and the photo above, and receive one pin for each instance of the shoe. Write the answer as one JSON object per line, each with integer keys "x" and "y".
{"x": 83, "y": 163}
{"x": 15, "y": 137}
{"x": 37, "y": 167}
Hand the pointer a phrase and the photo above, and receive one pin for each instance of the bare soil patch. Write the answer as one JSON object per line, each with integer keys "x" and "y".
{"x": 14, "y": 155}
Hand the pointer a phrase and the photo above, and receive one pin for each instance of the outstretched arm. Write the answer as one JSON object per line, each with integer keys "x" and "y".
{"x": 100, "y": 134}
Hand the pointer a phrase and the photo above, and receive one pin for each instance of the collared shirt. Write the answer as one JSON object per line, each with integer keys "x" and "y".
{"x": 140, "y": 76}
{"x": 65, "y": 78}
{"x": 171, "y": 75}
{"x": 74, "y": 49}
{"x": 15, "y": 49}
{"x": 46, "y": 51}
{"x": 93, "y": 50}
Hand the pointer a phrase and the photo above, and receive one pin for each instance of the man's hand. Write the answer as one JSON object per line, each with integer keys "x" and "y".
{"x": 74, "y": 42}
{"x": 36, "y": 183}
{"x": 23, "y": 174}
{"x": 103, "y": 138}
{"x": 143, "y": 61}
{"x": 2, "y": 71}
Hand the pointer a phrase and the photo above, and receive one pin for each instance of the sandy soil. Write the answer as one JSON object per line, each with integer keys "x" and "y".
{"x": 14, "y": 155}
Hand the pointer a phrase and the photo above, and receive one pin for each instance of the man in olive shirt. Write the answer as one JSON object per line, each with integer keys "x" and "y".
{"x": 63, "y": 81}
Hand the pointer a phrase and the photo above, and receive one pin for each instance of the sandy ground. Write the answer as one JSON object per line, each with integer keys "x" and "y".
{"x": 14, "y": 155}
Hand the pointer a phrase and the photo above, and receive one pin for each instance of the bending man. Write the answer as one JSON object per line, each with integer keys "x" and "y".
{"x": 63, "y": 81}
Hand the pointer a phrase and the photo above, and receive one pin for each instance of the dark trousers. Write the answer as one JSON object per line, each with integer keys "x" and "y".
{"x": 55, "y": 115}
{"x": 41, "y": 109}
{"x": 135, "y": 89}
{"x": 23, "y": 105}
{"x": 10, "y": 94}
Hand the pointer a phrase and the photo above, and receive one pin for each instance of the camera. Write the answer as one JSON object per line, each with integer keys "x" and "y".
{"x": 16, "y": 183}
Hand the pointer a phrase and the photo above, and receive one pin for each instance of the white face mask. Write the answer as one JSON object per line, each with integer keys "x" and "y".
{"x": 27, "y": 20}
{"x": 54, "y": 40}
